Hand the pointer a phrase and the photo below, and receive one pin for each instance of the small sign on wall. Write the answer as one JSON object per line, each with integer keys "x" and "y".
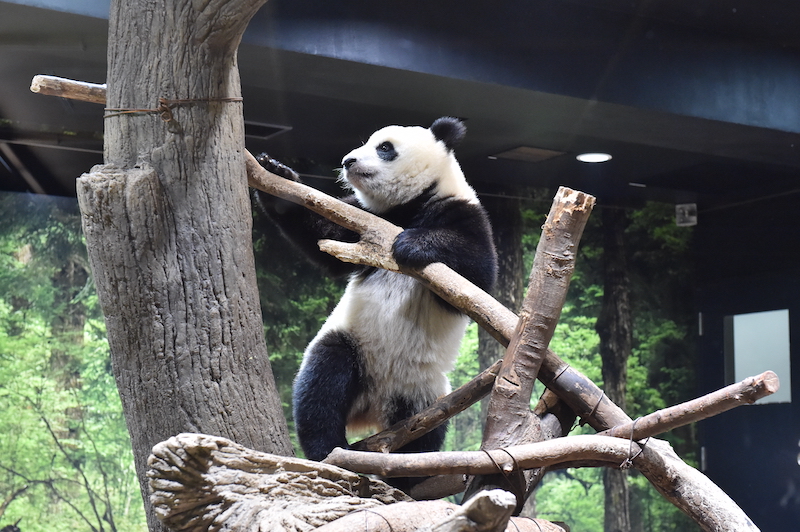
{"x": 686, "y": 214}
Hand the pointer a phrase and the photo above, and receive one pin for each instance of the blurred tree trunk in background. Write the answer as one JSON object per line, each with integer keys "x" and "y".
{"x": 67, "y": 327}
{"x": 506, "y": 216}
{"x": 615, "y": 328}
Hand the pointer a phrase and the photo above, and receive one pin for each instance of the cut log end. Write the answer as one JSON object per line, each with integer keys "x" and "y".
{"x": 771, "y": 382}
{"x": 36, "y": 84}
{"x": 576, "y": 199}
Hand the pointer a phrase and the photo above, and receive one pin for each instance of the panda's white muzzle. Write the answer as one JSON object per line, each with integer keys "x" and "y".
{"x": 355, "y": 171}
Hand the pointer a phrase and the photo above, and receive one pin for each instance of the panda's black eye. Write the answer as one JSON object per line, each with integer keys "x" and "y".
{"x": 386, "y": 151}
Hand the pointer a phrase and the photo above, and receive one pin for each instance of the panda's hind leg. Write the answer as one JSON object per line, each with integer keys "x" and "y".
{"x": 402, "y": 409}
{"x": 430, "y": 442}
{"x": 324, "y": 390}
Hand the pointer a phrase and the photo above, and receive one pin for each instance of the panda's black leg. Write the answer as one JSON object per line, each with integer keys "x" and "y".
{"x": 323, "y": 393}
{"x": 430, "y": 442}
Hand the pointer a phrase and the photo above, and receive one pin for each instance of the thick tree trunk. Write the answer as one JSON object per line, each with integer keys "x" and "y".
{"x": 168, "y": 228}
{"x": 615, "y": 326}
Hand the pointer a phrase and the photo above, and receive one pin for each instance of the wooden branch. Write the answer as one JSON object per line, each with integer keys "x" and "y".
{"x": 486, "y": 513}
{"x": 66, "y": 88}
{"x": 593, "y": 448}
{"x": 443, "y": 409}
{"x": 509, "y": 416}
{"x": 572, "y": 449}
{"x": 419, "y": 516}
{"x": 509, "y": 420}
{"x": 745, "y": 392}
{"x": 693, "y": 493}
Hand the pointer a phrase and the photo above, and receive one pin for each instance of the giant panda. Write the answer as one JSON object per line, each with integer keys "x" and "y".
{"x": 383, "y": 353}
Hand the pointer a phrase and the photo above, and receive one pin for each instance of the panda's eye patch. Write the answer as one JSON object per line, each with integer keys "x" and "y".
{"x": 386, "y": 151}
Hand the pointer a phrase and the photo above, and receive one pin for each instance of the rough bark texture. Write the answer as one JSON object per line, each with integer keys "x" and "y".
{"x": 488, "y": 512}
{"x": 417, "y": 517}
{"x": 168, "y": 227}
{"x": 615, "y": 328}
{"x": 509, "y": 406}
{"x": 203, "y": 483}
{"x": 55, "y": 86}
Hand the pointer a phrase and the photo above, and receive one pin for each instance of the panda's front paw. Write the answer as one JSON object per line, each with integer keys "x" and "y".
{"x": 277, "y": 167}
{"x": 412, "y": 249}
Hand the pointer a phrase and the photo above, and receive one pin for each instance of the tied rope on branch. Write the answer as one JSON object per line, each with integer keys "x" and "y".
{"x": 165, "y": 107}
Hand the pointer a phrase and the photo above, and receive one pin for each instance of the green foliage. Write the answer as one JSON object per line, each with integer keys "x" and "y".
{"x": 465, "y": 430}
{"x": 574, "y": 496}
{"x": 63, "y": 435}
{"x": 653, "y": 511}
{"x": 296, "y": 297}
{"x": 65, "y": 457}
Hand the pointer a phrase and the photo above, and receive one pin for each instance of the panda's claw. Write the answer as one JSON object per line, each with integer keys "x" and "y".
{"x": 276, "y": 167}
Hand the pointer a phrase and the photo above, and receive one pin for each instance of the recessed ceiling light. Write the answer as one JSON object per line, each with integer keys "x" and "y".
{"x": 593, "y": 157}
{"x": 528, "y": 154}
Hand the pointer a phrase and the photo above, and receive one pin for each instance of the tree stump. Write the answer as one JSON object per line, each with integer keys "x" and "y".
{"x": 206, "y": 483}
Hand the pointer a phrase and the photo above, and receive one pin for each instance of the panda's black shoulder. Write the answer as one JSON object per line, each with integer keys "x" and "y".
{"x": 454, "y": 211}
{"x": 453, "y": 231}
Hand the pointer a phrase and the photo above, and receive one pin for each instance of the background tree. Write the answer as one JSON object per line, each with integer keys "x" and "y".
{"x": 615, "y": 328}
{"x": 65, "y": 459}
{"x": 507, "y": 226}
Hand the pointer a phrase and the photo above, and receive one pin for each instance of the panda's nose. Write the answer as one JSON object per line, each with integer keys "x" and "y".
{"x": 350, "y": 161}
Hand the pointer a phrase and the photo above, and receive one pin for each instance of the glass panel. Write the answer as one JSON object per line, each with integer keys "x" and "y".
{"x": 758, "y": 342}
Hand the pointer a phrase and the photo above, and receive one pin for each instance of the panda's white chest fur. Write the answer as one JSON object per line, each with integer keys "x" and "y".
{"x": 407, "y": 339}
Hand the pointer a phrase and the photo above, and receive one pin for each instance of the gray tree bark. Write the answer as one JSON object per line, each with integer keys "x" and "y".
{"x": 168, "y": 228}
{"x": 615, "y": 328}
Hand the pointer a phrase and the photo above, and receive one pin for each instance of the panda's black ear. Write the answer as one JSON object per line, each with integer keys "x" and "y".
{"x": 449, "y": 130}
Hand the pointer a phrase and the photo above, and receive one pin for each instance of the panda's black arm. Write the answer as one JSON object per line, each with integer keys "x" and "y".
{"x": 302, "y": 227}
{"x": 455, "y": 233}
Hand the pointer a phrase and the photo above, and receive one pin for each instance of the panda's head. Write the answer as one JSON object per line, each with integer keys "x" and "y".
{"x": 399, "y": 163}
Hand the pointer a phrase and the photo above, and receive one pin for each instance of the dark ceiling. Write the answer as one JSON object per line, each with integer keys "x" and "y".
{"x": 696, "y": 100}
